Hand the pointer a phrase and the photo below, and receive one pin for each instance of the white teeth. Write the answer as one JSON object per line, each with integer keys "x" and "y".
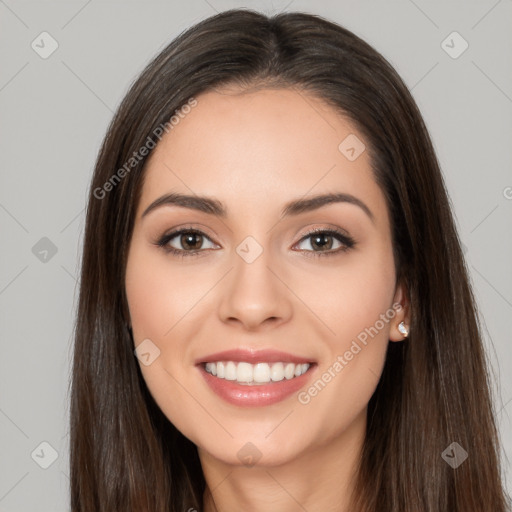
{"x": 230, "y": 371}
{"x": 211, "y": 368}
{"x": 260, "y": 373}
{"x": 289, "y": 371}
{"x": 243, "y": 372}
{"x": 277, "y": 372}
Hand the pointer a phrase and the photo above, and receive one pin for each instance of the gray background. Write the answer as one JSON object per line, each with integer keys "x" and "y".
{"x": 54, "y": 113}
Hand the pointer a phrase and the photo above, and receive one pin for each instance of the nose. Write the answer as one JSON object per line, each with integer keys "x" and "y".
{"x": 255, "y": 295}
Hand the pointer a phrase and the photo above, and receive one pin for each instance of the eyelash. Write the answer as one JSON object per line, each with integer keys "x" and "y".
{"x": 347, "y": 241}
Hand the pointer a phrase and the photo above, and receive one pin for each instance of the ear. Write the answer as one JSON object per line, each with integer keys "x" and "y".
{"x": 401, "y": 306}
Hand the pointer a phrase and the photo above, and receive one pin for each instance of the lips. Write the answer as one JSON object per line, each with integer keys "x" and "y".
{"x": 253, "y": 357}
{"x": 242, "y": 395}
{"x": 260, "y": 394}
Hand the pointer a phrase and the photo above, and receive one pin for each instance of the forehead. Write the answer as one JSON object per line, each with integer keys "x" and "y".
{"x": 260, "y": 147}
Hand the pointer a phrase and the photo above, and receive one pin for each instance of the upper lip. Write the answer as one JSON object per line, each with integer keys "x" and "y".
{"x": 253, "y": 356}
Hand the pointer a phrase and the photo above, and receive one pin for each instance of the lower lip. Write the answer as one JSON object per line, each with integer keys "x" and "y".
{"x": 258, "y": 394}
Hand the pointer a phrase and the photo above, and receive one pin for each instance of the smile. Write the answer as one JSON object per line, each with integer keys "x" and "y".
{"x": 255, "y": 374}
{"x": 255, "y": 385}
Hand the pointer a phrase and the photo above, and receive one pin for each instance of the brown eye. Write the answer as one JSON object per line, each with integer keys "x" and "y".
{"x": 189, "y": 242}
{"x": 322, "y": 240}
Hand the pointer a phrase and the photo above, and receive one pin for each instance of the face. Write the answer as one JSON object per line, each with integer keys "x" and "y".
{"x": 310, "y": 282}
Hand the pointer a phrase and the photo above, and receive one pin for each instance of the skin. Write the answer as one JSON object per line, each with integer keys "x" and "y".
{"x": 255, "y": 151}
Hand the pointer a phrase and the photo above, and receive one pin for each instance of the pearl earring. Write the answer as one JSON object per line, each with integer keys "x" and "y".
{"x": 403, "y": 329}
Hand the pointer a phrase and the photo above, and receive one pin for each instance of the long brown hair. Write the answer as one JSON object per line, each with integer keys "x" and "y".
{"x": 125, "y": 455}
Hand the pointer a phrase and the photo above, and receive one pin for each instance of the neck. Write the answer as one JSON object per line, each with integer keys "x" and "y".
{"x": 321, "y": 477}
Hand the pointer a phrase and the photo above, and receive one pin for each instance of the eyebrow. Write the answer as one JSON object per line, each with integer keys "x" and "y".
{"x": 215, "y": 207}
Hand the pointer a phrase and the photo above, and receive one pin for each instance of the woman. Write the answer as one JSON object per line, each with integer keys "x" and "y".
{"x": 274, "y": 308}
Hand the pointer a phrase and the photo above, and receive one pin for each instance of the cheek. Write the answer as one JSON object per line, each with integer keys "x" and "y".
{"x": 157, "y": 300}
{"x": 158, "y": 294}
{"x": 350, "y": 296}
{"x": 355, "y": 302}
{"x": 145, "y": 297}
